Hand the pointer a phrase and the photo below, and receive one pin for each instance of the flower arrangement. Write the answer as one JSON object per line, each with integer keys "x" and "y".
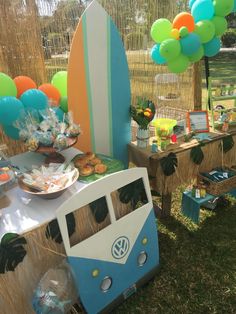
{"x": 143, "y": 113}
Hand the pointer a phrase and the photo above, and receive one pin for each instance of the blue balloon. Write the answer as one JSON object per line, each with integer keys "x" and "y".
{"x": 10, "y": 109}
{"x": 190, "y": 44}
{"x": 202, "y": 10}
{"x": 11, "y": 131}
{"x": 155, "y": 54}
{"x": 191, "y": 2}
{"x": 234, "y": 9}
{"x": 212, "y": 47}
{"x": 34, "y": 99}
{"x": 59, "y": 113}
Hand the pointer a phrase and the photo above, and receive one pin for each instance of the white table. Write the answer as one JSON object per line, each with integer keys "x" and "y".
{"x": 20, "y": 217}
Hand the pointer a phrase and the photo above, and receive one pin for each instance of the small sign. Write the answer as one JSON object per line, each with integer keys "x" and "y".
{"x": 198, "y": 121}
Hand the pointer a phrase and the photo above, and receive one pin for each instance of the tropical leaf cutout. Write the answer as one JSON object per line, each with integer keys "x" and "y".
{"x": 53, "y": 230}
{"x": 12, "y": 251}
{"x": 133, "y": 192}
{"x": 196, "y": 155}
{"x": 99, "y": 209}
{"x": 169, "y": 164}
{"x": 228, "y": 143}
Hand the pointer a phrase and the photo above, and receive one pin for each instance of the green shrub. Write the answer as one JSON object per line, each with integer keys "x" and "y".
{"x": 229, "y": 38}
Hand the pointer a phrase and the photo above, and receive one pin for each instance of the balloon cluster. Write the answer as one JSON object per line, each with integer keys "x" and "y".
{"x": 21, "y": 95}
{"x": 191, "y": 36}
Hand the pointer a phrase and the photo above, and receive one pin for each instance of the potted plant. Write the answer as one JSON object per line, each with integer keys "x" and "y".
{"x": 142, "y": 114}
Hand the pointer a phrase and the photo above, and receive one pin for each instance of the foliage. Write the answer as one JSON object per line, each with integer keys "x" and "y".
{"x": 196, "y": 154}
{"x": 133, "y": 192}
{"x": 228, "y": 143}
{"x": 143, "y": 112}
{"x": 229, "y": 38}
{"x": 169, "y": 164}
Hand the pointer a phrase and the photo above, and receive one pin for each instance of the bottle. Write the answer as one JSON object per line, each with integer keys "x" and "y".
{"x": 154, "y": 147}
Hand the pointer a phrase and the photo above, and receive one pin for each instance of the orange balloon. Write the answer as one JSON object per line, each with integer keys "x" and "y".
{"x": 52, "y": 92}
{"x": 184, "y": 19}
{"x": 23, "y": 83}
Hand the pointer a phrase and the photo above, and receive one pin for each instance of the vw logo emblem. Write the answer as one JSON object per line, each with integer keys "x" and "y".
{"x": 120, "y": 247}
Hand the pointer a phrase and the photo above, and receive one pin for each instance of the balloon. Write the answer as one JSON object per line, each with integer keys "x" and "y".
{"x": 220, "y": 25}
{"x": 60, "y": 113}
{"x": 197, "y": 56}
{"x": 183, "y": 31}
{"x": 179, "y": 65}
{"x": 212, "y": 47}
{"x": 7, "y": 86}
{"x": 34, "y": 99}
{"x": 175, "y": 33}
{"x": 11, "y": 131}
{"x": 64, "y": 104}
{"x": 155, "y": 54}
{"x": 52, "y": 92}
{"x": 161, "y": 30}
{"x": 223, "y": 7}
{"x": 184, "y": 19}
{"x": 191, "y": 2}
{"x": 202, "y": 10}
{"x": 10, "y": 109}
{"x": 59, "y": 80}
{"x": 234, "y": 8}
{"x": 170, "y": 49}
{"x": 205, "y": 30}
{"x": 23, "y": 83}
{"x": 190, "y": 44}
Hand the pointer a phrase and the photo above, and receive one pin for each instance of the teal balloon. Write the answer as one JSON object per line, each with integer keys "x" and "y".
{"x": 234, "y": 8}
{"x": 170, "y": 49}
{"x": 179, "y": 65}
{"x": 59, "y": 80}
{"x": 191, "y": 2}
{"x": 197, "y": 56}
{"x": 212, "y": 47}
{"x": 59, "y": 113}
{"x": 10, "y": 109}
{"x": 7, "y": 86}
{"x": 64, "y": 104}
{"x": 221, "y": 25}
{"x": 11, "y": 132}
{"x": 190, "y": 44}
{"x": 223, "y": 7}
{"x": 34, "y": 99}
{"x": 155, "y": 54}
{"x": 202, "y": 10}
{"x": 161, "y": 30}
{"x": 205, "y": 30}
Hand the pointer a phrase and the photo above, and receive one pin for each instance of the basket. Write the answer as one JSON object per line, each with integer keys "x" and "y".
{"x": 218, "y": 188}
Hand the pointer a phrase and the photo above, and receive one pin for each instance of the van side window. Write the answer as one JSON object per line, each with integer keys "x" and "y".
{"x": 129, "y": 198}
{"x": 90, "y": 219}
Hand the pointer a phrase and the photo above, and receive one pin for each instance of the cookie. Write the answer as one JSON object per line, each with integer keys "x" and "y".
{"x": 100, "y": 168}
{"x": 86, "y": 170}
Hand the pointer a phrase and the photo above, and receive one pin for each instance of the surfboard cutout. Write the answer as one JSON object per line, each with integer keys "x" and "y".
{"x": 99, "y": 86}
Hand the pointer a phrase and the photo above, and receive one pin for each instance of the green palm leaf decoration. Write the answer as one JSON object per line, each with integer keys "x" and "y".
{"x": 196, "y": 155}
{"x": 228, "y": 143}
{"x": 53, "y": 230}
{"x": 99, "y": 209}
{"x": 133, "y": 192}
{"x": 169, "y": 164}
{"x": 12, "y": 251}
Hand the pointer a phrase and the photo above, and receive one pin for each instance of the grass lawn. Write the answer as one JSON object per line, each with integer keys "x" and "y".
{"x": 198, "y": 266}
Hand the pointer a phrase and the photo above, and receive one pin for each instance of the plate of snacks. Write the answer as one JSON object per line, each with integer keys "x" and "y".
{"x": 6, "y": 175}
{"x": 95, "y": 166}
{"x": 49, "y": 181}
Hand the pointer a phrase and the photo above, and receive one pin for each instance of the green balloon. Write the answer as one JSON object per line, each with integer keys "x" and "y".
{"x": 221, "y": 25}
{"x": 59, "y": 80}
{"x": 205, "y": 30}
{"x": 223, "y": 7}
{"x": 63, "y": 104}
{"x": 179, "y": 65}
{"x": 7, "y": 86}
{"x": 170, "y": 49}
{"x": 183, "y": 32}
{"x": 161, "y": 30}
{"x": 197, "y": 56}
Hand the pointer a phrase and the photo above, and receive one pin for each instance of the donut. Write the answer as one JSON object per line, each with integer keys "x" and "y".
{"x": 80, "y": 162}
{"x": 100, "y": 168}
{"x": 89, "y": 156}
{"x": 95, "y": 161}
{"x": 86, "y": 170}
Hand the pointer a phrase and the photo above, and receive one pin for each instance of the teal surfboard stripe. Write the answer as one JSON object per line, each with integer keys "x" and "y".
{"x": 120, "y": 96}
{"x": 88, "y": 84}
{"x": 109, "y": 83}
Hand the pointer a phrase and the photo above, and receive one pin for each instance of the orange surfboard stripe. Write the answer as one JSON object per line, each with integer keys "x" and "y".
{"x": 78, "y": 101}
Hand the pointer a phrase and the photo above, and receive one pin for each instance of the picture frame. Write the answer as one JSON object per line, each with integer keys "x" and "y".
{"x": 198, "y": 121}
